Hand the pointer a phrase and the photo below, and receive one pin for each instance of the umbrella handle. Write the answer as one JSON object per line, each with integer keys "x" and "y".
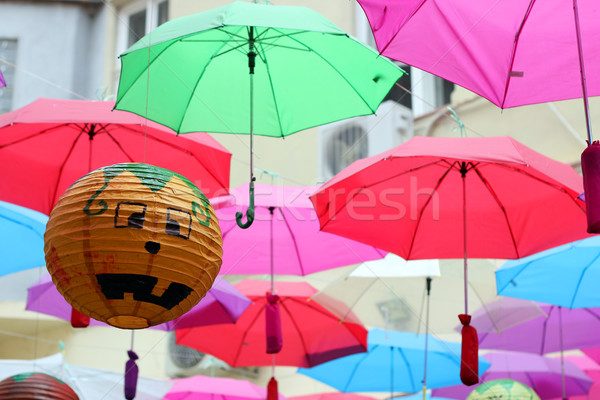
{"x": 249, "y": 212}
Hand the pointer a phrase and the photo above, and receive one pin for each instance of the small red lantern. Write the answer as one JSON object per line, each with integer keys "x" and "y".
{"x": 133, "y": 245}
{"x": 34, "y": 385}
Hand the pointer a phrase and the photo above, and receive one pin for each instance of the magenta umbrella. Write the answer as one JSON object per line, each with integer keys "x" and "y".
{"x": 285, "y": 238}
{"x": 209, "y": 388}
{"x": 542, "y": 374}
{"x": 512, "y": 53}
{"x": 222, "y": 304}
{"x": 2, "y": 81}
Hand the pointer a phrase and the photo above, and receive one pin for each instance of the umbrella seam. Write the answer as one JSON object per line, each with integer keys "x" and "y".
{"x": 59, "y": 175}
{"x": 439, "y": 183}
{"x": 514, "y": 51}
{"x": 587, "y": 267}
{"x": 374, "y": 164}
{"x": 193, "y": 91}
{"x": 293, "y": 241}
{"x": 183, "y": 149}
{"x": 306, "y": 353}
{"x": 335, "y": 69}
{"x": 487, "y": 185}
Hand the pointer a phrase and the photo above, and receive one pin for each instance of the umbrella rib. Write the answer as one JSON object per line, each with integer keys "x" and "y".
{"x": 62, "y": 166}
{"x": 42, "y": 132}
{"x": 413, "y": 12}
{"x": 296, "y": 327}
{"x": 363, "y": 357}
{"x": 545, "y": 329}
{"x": 264, "y": 57}
{"x": 245, "y": 333}
{"x": 179, "y": 148}
{"x": 576, "y": 292}
{"x": 376, "y": 183}
{"x": 303, "y": 272}
{"x": 332, "y": 67}
{"x": 408, "y": 368}
{"x": 514, "y": 51}
{"x": 360, "y": 295}
{"x": 487, "y": 185}
{"x": 205, "y": 67}
{"x": 435, "y": 189}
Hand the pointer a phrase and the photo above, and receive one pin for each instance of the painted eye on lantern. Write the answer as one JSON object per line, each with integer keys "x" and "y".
{"x": 179, "y": 223}
{"x": 130, "y": 215}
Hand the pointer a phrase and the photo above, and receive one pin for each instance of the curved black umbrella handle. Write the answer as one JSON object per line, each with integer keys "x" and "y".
{"x": 249, "y": 211}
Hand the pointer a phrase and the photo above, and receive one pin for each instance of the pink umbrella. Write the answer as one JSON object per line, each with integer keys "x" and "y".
{"x": 285, "y": 237}
{"x": 208, "y": 388}
{"x": 222, "y": 304}
{"x": 2, "y": 81}
{"x": 512, "y": 53}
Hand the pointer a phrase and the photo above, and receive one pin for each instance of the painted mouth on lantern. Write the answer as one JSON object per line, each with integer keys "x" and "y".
{"x": 114, "y": 287}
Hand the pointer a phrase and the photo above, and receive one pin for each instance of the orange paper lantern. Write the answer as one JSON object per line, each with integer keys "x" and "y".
{"x": 133, "y": 245}
{"x": 35, "y": 385}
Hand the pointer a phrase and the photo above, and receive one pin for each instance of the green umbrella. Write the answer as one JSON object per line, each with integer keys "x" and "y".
{"x": 249, "y": 68}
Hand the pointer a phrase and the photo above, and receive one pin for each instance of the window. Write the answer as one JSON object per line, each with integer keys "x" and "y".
{"x": 8, "y": 58}
{"x": 138, "y": 19}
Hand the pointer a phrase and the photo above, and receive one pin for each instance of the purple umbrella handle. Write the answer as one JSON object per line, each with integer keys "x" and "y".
{"x": 273, "y": 325}
{"x": 131, "y": 375}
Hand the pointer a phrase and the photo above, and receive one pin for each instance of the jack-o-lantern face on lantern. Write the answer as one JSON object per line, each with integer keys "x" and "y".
{"x": 133, "y": 245}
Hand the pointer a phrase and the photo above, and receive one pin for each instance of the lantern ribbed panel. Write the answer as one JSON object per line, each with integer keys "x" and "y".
{"x": 35, "y": 386}
{"x": 133, "y": 245}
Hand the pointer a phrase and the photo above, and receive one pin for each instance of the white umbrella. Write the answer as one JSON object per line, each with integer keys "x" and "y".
{"x": 88, "y": 383}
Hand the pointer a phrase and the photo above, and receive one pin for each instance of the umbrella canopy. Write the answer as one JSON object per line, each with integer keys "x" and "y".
{"x": 223, "y": 304}
{"x": 21, "y": 238}
{"x": 510, "y": 190}
{"x": 48, "y": 144}
{"x": 88, "y": 383}
{"x": 332, "y": 396}
{"x": 542, "y": 334}
{"x": 393, "y": 362}
{"x": 506, "y": 52}
{"x": 311, "y": 334}
{"x": 390, "y": 294}
{"x": 542, "y": 374}
{"x": 504, "y": 313}
{"x": 565, "y": 275}
{"x": 209, "y": 388}
{"x": 467, "y": 197}
{"x": 252, "y": 69}
{"x": 592, "y": 369}
{"x": 284, "y": 236}
{"x": 307, "y": 72}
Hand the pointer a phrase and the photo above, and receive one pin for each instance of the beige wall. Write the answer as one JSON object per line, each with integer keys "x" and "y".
{"x": 556, "y": 130}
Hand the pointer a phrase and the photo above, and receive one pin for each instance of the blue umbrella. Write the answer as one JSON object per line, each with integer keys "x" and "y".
{"x": 21, "y": 238}
{"x": 395, "y": 361}
{"x": 566, "y": 275}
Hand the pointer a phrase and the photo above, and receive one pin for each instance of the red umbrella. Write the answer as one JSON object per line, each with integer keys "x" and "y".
{"x": 48, "y": 144}
{"x": 455, "y": 198}
{"x": 312, "y": 335}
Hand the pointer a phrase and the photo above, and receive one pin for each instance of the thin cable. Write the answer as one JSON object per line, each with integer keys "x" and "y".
{"x": 428, "y": 287}
{"x": 562, "y": 357}
{"x": 271, "y": 209}
{"x": 464, "y": 189}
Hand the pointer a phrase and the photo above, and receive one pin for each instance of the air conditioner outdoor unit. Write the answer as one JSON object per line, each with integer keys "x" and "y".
{"x": 183, "y": 361}
{"x": 343, "y": 142}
